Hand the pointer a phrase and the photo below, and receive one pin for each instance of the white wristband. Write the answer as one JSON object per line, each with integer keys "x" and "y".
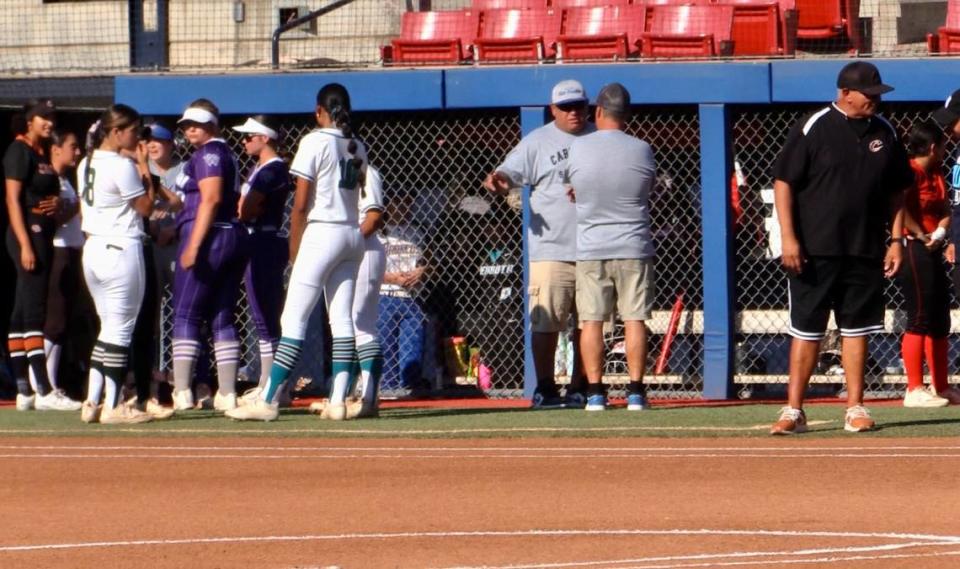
{"x": 938, "y": 234}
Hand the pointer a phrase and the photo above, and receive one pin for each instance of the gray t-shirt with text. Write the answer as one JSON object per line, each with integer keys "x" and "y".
{"x": 612, "y": 174}
{"x": 539, "y": 160}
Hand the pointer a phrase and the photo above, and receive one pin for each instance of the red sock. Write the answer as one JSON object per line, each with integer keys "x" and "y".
{"x": 936, "y": 349}
{"x": 912, "y": 347}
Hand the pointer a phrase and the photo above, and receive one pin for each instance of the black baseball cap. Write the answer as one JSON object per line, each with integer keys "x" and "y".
{"x": 864, "y": 77}
{"x": 949, "y": 113}
{"x": 615, "y": 98}
{"x": 40, "y": 108}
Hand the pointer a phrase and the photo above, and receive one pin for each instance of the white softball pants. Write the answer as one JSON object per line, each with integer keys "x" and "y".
{"x": 328, "y": 259}
{"x": 114, "y": 271}
{"x": 366, "y": 297}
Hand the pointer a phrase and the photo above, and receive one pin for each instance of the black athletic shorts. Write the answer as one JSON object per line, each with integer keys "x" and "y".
{"x": 850, "y": 286}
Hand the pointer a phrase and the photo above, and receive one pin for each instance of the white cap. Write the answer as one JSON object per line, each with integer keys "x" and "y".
{"x": 255, "y": 127}
{"x": 198, "y": 115}
{"x": 568, "y": 91}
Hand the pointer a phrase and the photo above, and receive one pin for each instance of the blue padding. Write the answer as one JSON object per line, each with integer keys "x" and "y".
{"x": 281, "y": 93}
{"x": 912, "y": 79}
{"x": 648, "y": 83}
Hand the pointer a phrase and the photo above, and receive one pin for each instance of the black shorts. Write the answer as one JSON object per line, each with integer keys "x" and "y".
{"x": 850, "y": 286}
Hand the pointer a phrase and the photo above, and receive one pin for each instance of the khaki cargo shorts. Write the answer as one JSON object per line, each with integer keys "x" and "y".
{"x": 552, "y": 291}
{"x": 624, "y": 284}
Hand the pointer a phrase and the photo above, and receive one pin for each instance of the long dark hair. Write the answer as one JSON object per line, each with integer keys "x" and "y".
{"x": 922, "y": 135}
{"x": 335, "y": 99}
{"x": 116, "y": 116}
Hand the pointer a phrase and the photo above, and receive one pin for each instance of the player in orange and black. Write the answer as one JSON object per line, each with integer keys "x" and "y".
{"x": 33, "y": 200}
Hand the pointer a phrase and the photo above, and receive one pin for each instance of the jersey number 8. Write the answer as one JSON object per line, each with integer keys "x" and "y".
{"x": 88, "y": 179}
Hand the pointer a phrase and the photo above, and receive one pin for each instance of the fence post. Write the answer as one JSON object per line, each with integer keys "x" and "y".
{"x": 148, "y": 35}
{"x": 531, "y": 118}
{"x": 718, "y": 293}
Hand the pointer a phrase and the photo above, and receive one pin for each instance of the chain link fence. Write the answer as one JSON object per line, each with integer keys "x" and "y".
{"x": 762, "y": 348}
{"x": 67, "y": 37}
{"x": 469, "y": 311}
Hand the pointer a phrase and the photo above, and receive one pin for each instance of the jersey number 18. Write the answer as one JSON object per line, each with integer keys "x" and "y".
{"x": 349, "y": 174}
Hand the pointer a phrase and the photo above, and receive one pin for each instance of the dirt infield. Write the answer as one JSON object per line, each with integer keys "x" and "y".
{"x": 600, "y": 504}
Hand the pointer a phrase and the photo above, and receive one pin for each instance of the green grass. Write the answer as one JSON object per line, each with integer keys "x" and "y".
{"x": 731, "y": 421}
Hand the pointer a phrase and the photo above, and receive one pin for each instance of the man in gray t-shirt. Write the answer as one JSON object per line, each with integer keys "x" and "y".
{"x": 611, "y": 175}
{"x": 539, "y": 161}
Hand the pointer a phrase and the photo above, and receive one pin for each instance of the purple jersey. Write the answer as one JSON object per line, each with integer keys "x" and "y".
{"x": 272, "y": 180}
{"x": 213, "y": 159}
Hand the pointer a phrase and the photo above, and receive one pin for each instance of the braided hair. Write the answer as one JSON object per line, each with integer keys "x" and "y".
{"x": 334, "y": 98}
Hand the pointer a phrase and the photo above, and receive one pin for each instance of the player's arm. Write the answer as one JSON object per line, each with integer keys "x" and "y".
{"x": 298, "y": 214}
{"x": 211, "y": 193}
{"x": 18, "y": 225}
{"x": 143, "y": 204}
{"x": 792, "y": 258}
{"x": 252, "y": 205}
{"x": 372, "y": 222}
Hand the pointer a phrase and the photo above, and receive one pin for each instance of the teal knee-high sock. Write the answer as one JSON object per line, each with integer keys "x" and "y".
{"x": 342, "y": 367}
{"x": 371, "y": 368}
{"x": 284, "y": 360}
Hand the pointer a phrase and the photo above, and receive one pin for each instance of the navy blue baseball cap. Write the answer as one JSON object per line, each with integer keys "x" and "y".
{"x": 159, "y": 132}
{"x": 949, "y": 113}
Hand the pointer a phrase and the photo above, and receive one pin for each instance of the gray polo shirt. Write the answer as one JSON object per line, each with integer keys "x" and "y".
{"x": 613, "y": 175}
{"x": 539, "y": 160}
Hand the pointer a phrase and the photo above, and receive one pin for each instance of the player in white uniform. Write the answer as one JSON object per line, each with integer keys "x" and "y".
{"x": 366, "y": 301}
{"x": 113, "y": 201}
{"x": 326, "y": 248}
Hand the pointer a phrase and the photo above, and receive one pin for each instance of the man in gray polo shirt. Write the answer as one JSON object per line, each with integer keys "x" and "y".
{"x": 539, "y": 160}
{"x": 611, "y": 175}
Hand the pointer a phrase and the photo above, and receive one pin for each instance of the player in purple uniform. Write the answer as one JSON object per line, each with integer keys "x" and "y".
{"x": 262, "y": 203}
{"x": 210, "y": 258}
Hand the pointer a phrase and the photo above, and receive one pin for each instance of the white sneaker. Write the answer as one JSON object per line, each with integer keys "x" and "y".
{"x": 152, "y": 407}
{"x": 921, "y": 397}
{"x": 951, "y": 394}
{"x": 318, "y": 406}
{"x": 225, "y": 402}
{"x": 123, "y": 415}
{"x": 249, "y": 396}
{"x": 89, "y": 412}
{"x": 56, "y": 400}
{"x": 182, "y": 400}
{"x": 25, "y": 402}
{"x": 259, "y": 410}
{"x": 334, "y": 412}
{"x": 858, "y": 420}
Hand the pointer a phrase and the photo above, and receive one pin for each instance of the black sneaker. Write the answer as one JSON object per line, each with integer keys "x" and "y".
{"x": 541, "y": 401}
{"x": 575, "y": 400}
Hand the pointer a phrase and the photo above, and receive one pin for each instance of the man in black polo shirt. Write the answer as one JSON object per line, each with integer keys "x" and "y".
{"x": 839, "y": 183}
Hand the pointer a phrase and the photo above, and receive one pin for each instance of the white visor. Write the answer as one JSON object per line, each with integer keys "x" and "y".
{"x": 198, "y": 115}
{"x": 254, "y": 127}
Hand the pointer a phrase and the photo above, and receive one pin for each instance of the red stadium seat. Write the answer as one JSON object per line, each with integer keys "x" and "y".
{"x": 947, "y": 38}
{"x": 829, "y": 19}
{"x": 756, "y": 27}
{"x": 512, "y": 35}
{"x": 601, "y": 32}
{"x": 689, "y": 31}
{"x": 433, "y": 37}
{"x": 482, "y": 5}
{"x": 566, "y": 4}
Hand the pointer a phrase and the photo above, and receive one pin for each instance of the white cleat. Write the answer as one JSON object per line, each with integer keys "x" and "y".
{"x": 259, "y": 410}
{"x": 123, "y": 415}
{"x": 225, "y": 402}
{"x": 249, "y": 396}
{"x": 182, "y": 400}
{"x": 334, "y": 412}
{"x": 25, "y": 402}
{"x": 921, "y": 397}
{"x": 56, "y": 400}
{"x": 89, "y": 412}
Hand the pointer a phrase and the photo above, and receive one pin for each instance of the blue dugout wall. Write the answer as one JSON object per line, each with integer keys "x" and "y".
{"x": 714, "y": 87}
